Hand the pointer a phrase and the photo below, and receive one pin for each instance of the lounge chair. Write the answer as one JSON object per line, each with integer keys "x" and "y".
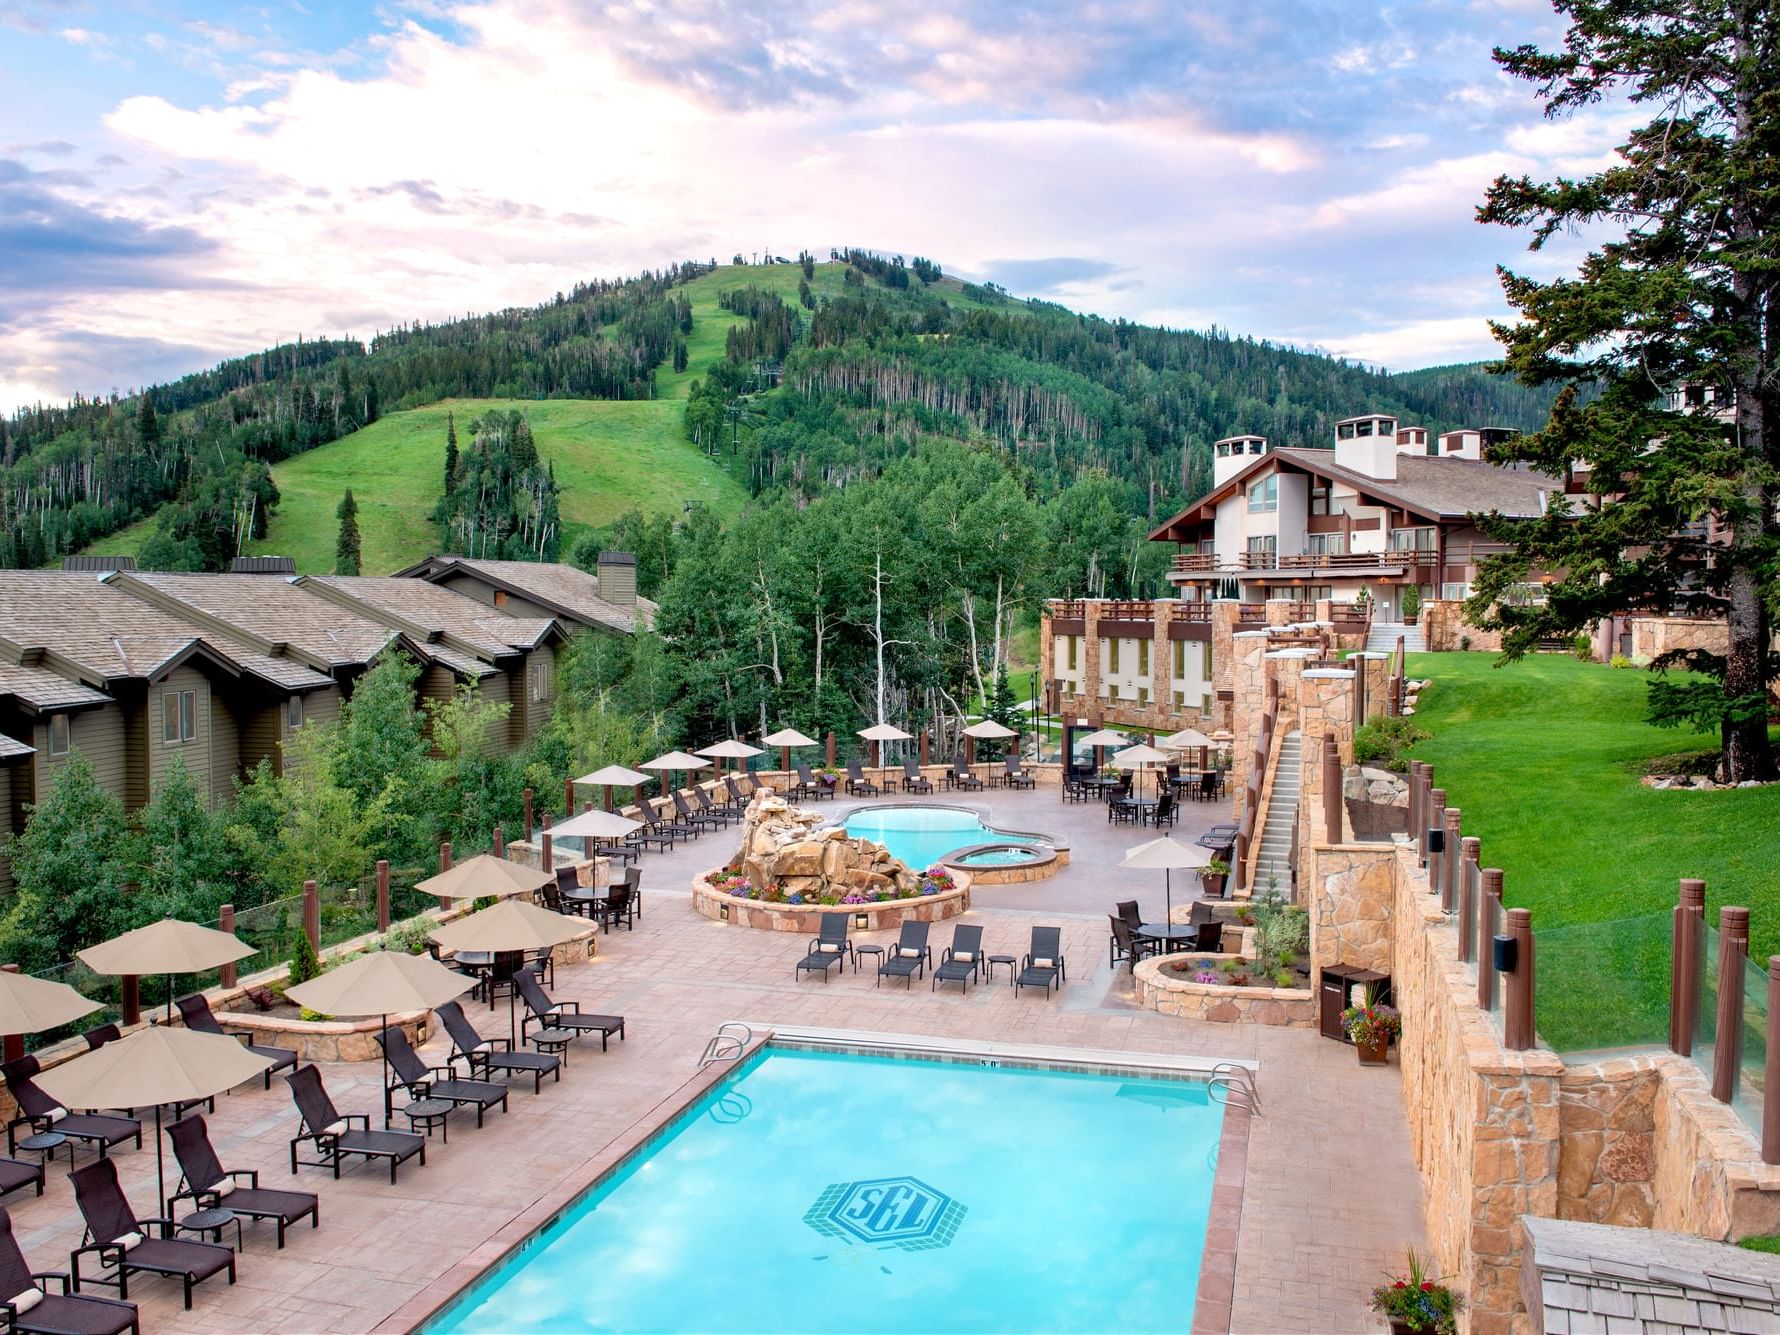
{"x": 1043, "y": 965}
{"x": 910, "y": 957}
{"x": 488, "y": 1055}
{"x": 809, "y": 785}
{"x": 334, "y": 1136}
{"x": 719, "y": 813}
{"x": 829, "y": 948}
{"x": 561, "y": 1015}
{"x": 100, "y": 1035}
{"x": 118, "y": 1238}
{"x": 737, "y": 797}
{"x": 208, "y": 1185}
{"x": 857, "y": 784}
{"x": 1126, "y": 944}
{"x": 696, "y": 821}
{"x": 653, "y": 831}
{"x": 913, "y": 781}
{"x": 961, "y": 776}
{"x": 40, "y": 1112}
{"x": 963, "y": 959}
{"x": 437, "y": 1082}
{"x": 617, "y": 906}
{"x": 195, "y": 1011}
{"x": 16, "y": 1173}
{"x": 49, "y": 1313}
{"x": 1017, "y": 776}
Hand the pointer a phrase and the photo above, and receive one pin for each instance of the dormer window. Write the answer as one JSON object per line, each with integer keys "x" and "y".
{"x": 1263, "y": 495}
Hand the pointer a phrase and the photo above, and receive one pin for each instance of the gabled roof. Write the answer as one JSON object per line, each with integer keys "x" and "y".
{"x": 570, "y": 592}
{"x": 12, "y": 749}
{"x": 1433, "y": 487}
{"x": 436, "y": 615}
{"x": 269, "y": 611}
{"x": 46, "y": 692}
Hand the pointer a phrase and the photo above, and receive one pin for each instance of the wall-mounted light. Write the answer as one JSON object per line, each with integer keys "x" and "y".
{"x": 861, "y": 921}
{"x": 723, "y": 912}
{"x": 1436, "y": 840}
{"x": 1507, "y": 953}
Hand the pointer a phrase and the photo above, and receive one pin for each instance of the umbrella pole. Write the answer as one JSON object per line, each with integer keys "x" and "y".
{"x": 388, "y": 1096}
{"x": 512, "y": 1017}
{"x": 160, "y": 1171}
{"x": 1168, "y": 896}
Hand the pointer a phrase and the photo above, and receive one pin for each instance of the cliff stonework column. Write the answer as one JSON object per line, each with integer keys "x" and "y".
{"x": 1162, "y": 663}
{"x": 1046, "y": 653}
{"x": 1223, "y": 662}
{"x": 1090, "y": 659}
{"x": 1247, "y": 675}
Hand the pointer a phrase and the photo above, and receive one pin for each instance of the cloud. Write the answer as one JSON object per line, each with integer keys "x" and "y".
{"x": 49, "y": 148}
{"x": 1039, "y": 277}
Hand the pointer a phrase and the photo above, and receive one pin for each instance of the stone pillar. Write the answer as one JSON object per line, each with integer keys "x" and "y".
{"x": 1090, "y": 662}
{"x": 1161, "y": 660}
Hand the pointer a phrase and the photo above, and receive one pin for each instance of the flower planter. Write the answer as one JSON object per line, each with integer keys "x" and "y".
{"x": 1375, "y": 1054}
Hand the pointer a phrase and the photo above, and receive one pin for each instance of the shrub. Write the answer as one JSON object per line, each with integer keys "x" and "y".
{"x": 1620, "y": 661}
{"x": 1762, "y": 1242}
{"x": 304, "y": 962}
{"x": 1412, "y": 603}
{"x": 1382, "y": 741}
{"x": 1583, "y": 646}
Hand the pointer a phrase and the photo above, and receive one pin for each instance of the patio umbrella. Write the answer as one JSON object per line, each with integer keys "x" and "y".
{"x": 1102, "y": 738}
{"x": 591, "y": 825}
{"x": 510, "y": 927}
{"x": 166, "y": 947}
{"x": 729, "y": 749}
{"x": 990, "y": 731}
{"x": 30, "y": 1005}
{"x": 156, "y": 1065}
{"x": 1140, "y": 757}
{"x": 614, "y": 776}
{"x": 675, "y": 760}
{"x": 383, "y": 983}
{"x": 785, "y": 739}
{"x": 1185, "y": 740}
{"x": 1168, "y": 854}
{"x": 879, "y": 733}
{"x": 482, "y": 876}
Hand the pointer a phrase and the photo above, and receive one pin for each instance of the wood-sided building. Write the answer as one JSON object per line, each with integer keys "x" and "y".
{"x": 603, "y": 602}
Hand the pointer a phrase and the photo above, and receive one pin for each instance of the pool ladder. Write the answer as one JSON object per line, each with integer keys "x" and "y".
{"x": 1233, "y": 1083}
{"x": 729, "y": 1042}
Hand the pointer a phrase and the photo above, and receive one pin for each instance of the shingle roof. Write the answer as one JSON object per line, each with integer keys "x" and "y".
{"x": 45, "y": 690}
{"x": 110, "y": 634}
{"x": 1447, "y": 487}
{"x": 12, "y": 749}
{"x": 437, "y": 609}
{"x": 567, "y": 589}
{"x": 277, "y": 610}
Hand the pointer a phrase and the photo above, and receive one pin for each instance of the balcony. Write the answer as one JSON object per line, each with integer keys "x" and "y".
{"x": 1202, "y": 565}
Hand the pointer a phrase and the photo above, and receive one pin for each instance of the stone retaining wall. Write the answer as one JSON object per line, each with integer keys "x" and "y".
{"x": 807, "y": 918}
{"x": 1219, "y": 1002}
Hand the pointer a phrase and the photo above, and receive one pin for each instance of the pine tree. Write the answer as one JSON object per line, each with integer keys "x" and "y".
{"x": 451, "y": 461}
{"x": 1665, "y": 346}
{"x": 148, "y": 426}
{"x": 347, "y": 549}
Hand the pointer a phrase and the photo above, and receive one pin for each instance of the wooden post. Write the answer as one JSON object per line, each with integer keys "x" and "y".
{"x": 500, "y": 842}
{"x": 1686, "y": 958}
{"x": 1490, "y": 914}
{"x": 926, "y": 746}
{"x": 1727, "y": 1039}
{"x": 1518, "y": 1027}
{"x": 546, "y": 858}
{"x": 445, "y": 856}
{"x": 588, "y": 805}
{"x": 1436, "y": 821}
{"x": 1427, "y": 812}
{"x": 14, "y": 1046}
{"x": 383, "y": 894}
{"x": 132, "y": 1002}
{"x": 225, "y": 922}
{"x": 1770, "y": 1106}
{"x": 527, "y": 795}
{"x": 568, "y": 797}
{"x": 1451, "y": 863}
{"x": 1471, "y": 855}
{"x": 1239, "y": 858}
{"x": 831, "y": 750}
{"x": 312, "y": 914}
{"x": 1331, "y": 788}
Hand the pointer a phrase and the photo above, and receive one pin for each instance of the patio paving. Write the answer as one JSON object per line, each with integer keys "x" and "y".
{"x": 1331, "y": 1198}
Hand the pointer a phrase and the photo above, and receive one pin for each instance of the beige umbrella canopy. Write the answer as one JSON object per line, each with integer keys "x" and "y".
{"x": 385, "y": 982}
{"x": 615, "y": 776}
{"x": 1185, "y": 740}
{"x": 884, "y": 732}
{"x": 30, "y": 1005}
{"x": 672, "y": 761}
{"x": 166, "y": 947}
{"x": 156, "y": 1065}
{"x": 1167, "y": 854}
{"x": 591, "y": 825}
{"x": 1136, "y": 757}
{"x": 785, "y": 739}
{"x": 990, "y": 730}
{"x": 729, "y": 749}
{"x": 1105, "y": 737}
{"x": 485, "y": 875}
{"x": 510, "y": 926}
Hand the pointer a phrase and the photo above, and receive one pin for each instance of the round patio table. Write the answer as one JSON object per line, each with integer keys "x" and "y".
{"x": 1169, "y": 932}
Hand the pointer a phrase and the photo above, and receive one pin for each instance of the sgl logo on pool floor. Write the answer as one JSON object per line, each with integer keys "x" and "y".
{"x": 901, "y": 1212}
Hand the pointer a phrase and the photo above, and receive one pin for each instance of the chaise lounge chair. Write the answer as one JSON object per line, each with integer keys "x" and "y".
{"x": 910, "y": 957}
{"x": 913, "y": 781}
{"x": 654, "y": 830}
{"x": 719, "y": 812}
{"x": 16, "y": 1173}
{"x": 1017, "y": 776}
{"x": 40, "y": 1112}
{"x": 488, "y": 1055}
{"x": 829, "y": 948}
{"x": 118, "y": 1238}
{"x": 334, "y": 1136}
{"x": 857, "y": 784}
{"x": 561, "y": 1015}
{"x": 963, "y": 960}
{"x": 695, "y": 821}
{"x": 195, "y": 1011}
{"x": 961, "y": 776}
{"x": 34, "y": 1310}
{"x": 208, "y": 1185}
{"x": 437, "y": 1082}
{"x": 1043, "y": 965}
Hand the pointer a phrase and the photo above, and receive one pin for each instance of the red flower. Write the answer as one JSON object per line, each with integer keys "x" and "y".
{"x": 1427, "y": 1286}
{"x": 1400, "y": 1285}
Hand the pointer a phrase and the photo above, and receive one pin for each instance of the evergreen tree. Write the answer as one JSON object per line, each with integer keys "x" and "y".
{"x": 70, "y": 871}
{"x": 1670, "y": 328}
{"x": 451, "y": 461}
{"x": 148, "y": 426}
{"x": 809, "y": 264}
{"x": 347, "y": 547}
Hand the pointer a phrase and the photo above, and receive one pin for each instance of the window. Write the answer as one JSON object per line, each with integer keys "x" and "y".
{"x": 1071, "y": 651}
{"x": 293, "y": 712}
{"x": 1267, "y": 543}
{"x": 1180, "y": 699}
{"x": 1113, "y": 661}
{"x": 1319, "y": 498}
{"x": 1320, "y": 593}
{"x": 1143, "y": 658}
{"x": 500, "y": 597}
{"x": 1363, "y": 428}
{"x": 1455, "y": 593}
{"x": 1327, "y": 544}
{"x": 1263, "y": 495}
{"x": 58, "y": 734}
{"x": 1207, "y": 648}
{"x": 1345, "y": 431}
{"x": 1180, "y": 659}
{"x": 1412, "y": 540}
{"x": 1143, "y": 695}
{"x": 179, "y": 717}
{"x": 540, "y": 682}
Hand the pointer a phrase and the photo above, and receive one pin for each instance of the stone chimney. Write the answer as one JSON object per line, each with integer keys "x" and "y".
{"x": 1462, "y": 444}
{"x": 618, "y": 578}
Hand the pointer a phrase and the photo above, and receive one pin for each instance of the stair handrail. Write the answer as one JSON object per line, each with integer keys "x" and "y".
{"x": 726, "y": 1045}
{"x": 1237, "y": 1085}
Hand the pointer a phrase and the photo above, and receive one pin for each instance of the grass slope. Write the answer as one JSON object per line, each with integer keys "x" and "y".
{"x": 610, "y": 456}
{"x": 1544, "y": 757}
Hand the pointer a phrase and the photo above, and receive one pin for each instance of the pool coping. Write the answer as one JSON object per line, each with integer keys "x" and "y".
{"x": 1217, "y": 1271}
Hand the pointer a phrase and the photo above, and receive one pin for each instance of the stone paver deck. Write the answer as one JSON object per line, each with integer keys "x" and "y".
{"x": 1331, "y": 1197}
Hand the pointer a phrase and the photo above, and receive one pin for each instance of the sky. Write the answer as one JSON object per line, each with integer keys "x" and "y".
{"x": 181, "y": 181}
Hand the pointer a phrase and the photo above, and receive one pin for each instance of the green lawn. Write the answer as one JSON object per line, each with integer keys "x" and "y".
{"x": 610, "y": 456}
{"x": 1544, "y": 757}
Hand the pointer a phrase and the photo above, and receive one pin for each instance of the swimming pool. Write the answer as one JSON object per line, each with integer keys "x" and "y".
{"x": 922, "y": 836}
{"x": 820, "y": 1191}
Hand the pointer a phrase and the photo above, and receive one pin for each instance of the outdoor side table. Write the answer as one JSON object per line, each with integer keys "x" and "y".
{"x": 1010, "y": 960}
{"x": 868, "y": 950}
{"x": 47, "y": 1143}
{"x": 212, "y": 1222}
{"x": 424, "y": 1114}
{"x": 553, "y": 1041}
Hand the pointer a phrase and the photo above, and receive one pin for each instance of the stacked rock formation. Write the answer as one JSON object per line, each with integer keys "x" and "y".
{"x": 781, "y": 845}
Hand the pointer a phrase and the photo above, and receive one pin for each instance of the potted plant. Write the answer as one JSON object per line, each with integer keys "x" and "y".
{"x": 1413, "y": 1302}
{"x": 1371, "y": 1028}
{"x": 1213, "y": 877}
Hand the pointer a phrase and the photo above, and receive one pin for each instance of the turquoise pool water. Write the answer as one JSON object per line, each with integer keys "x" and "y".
{"x": 1001, "y": 857}
{"x": 824, "y": 1192}
{"x": 921, "y": 836}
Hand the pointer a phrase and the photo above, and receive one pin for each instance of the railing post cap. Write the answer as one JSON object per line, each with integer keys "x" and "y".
{"x": 1693, "y": 892}
{"x": 1472, "y": 846}
{"x": 1732, "y": 914}
{"x": 1437, "y": 796}
{"x": 1518, "y": 918}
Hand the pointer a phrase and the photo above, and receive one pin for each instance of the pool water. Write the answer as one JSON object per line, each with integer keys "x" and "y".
{"x": 1000, "y": 857}
{"x": 921, "y": 836}
{"x": 824, "y": 1192}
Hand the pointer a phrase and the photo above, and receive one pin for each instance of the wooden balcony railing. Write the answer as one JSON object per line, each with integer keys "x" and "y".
{"x": 1336, "y": 563}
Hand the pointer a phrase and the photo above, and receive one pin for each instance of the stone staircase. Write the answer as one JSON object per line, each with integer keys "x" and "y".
{"x": 1274, "y": 856}
{"x": 1381, "y": 638}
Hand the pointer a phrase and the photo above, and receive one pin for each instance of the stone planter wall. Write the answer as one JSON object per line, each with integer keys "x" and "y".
{"x": 806, "y": 919}
{"x": 328, "y": 1040}
{"x": 1217, "y": 1002}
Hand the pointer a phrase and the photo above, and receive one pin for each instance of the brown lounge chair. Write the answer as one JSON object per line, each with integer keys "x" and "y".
{"x": 40, "y": 1112}
{"x": 208, "y": 1185}
{"x": 121, "y": 1240}
{"x": 488, "y": 1055}
{"x": 195, "y": 1011}
{"x": 53, "y": 1313}
{"x": 561, "y": 1015}
{"x": 334, "y": 1136}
